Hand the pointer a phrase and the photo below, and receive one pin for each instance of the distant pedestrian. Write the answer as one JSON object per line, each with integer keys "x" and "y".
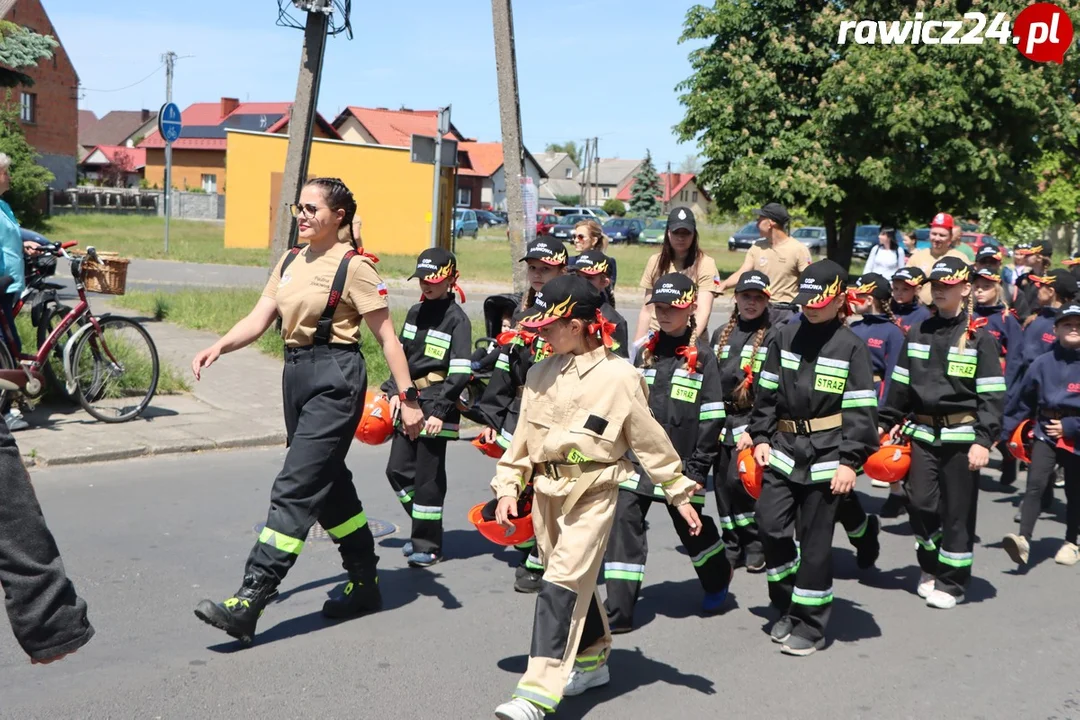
{"x": 887, "y": 256}
{"x": 321, "y": 291}
{"x": 588, "y": 235}
{"x": 941, "y": 228}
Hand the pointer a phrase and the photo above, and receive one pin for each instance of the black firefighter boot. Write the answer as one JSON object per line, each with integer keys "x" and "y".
{"x": 239, "y": 614}
{"x": 359, "y": 596}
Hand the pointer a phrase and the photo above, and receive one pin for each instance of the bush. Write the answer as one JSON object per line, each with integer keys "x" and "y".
{"x": 29, "y": 181}
{"x": 614, "y": 206}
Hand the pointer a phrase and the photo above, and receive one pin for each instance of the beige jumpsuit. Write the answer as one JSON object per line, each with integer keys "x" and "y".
{"x": 579, "y": 417}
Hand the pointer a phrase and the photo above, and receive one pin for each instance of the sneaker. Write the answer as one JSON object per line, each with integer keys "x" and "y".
{"x": 1008, "y": 475}
{"x": 1016, "y": 517}
{"x": 582, "y": 680}
{"x": 15, "y": 421}
{"x": 895, "y": 506}
{"x": 1059, "y": 481}
{"x": 423, "y": 559}
{"x": 942, "y": 600}
{"x": 519, "y": 709}
{"x": 879, "y": 484}
{"x": 1017, "y": 547}
{"x": 755, "y": 562}
{"x": 527, "y": 581}
{"x": 926, "y": 584}
{"x": 712, "y": 603}
{"x": 1069, "y": 554}
{"x": 801, "y": 647}
{"x": 407, "y": 548}
{"x": 781, "y": 629}
{"x": 869, "y": 548}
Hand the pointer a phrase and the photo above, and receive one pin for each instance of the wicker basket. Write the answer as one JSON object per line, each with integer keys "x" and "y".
{"x": 108, "y": 276}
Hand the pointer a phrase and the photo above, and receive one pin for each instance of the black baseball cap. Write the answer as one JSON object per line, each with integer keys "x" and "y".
{"x": 988, "y": 252}
{"x": 874, "y": 285}
{"x": 912, "y": 275}
{"x": 435, "y": 265}
{"x": 820, "y": 283}
{"x": 565, "y": 297}
{"x": 1034, "y": 248}
{"x": 951, "y": 271}
{"x": 674, "y": 289}
{"x": 549, "y": 251}
{"x": 1071, "y": 261}
{"x": 1067, "y": 311}
{"x": 681, "y": 218}
{"x": 987, "y": 274}
{"x": 775, "y": 212}
{"x": 754, "y": 280}
{"x": 592, "y": 262}
{"x": 1062, "y": 281}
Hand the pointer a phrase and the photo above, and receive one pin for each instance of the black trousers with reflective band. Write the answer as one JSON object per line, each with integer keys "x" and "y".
{"x": 800, "y": 578}
{"x": 1043, "y": 459}
{"x": 853, "y": 517}
{"x": 324, "y": 389}
{"x": 944, "y": 499}
{"x": 737, "y": 510}
{"x": 417, "y": 473}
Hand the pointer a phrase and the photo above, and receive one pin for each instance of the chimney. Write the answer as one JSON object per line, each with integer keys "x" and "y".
{"x": 145, "y": 115}
{"x": 228, "y": 105}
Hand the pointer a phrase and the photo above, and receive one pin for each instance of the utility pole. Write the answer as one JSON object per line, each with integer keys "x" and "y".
{"x": 596, "y": 171}
{"x": 583, "y": 198}
{"x": 502, "y": 16}
{"x": 442, "y": 127}
{"x": 169, "y": 58}
{"x": 301, "y": 123}
{"x": 667, "y": 189}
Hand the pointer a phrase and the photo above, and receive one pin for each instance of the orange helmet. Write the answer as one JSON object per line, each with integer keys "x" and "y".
{"x": 496, "y": 533}
{"x": 492, "y": 450}
{"x": 750, "y": 473}
{"x": 889, "y": 464}
{"x": 376, "y": 425}
{"x": 1020, "y": 442}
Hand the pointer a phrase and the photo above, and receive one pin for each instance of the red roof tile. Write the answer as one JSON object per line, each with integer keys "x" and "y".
{"x": 673, "y": 185}
{"x": 204, "y": 125}
{"x": 137, "y": 155}
{"x": 395, "y": 127}
{"x": 485, "y": 158}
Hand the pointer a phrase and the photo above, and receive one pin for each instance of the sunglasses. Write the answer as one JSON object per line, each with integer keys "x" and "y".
{"x": 307, "y": 209}
{"x": 581, "y": 237}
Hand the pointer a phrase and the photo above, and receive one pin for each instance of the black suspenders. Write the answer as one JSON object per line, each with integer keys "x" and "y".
{"x": 325, "y": 326}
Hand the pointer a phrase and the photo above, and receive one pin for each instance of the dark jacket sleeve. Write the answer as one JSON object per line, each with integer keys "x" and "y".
{"x": 860, "y": 410}
{"x": 763, "y": 419}
{"x": 621, "y": 338}
{"x": 460, "y": 371}
{"x": 710, "y": 417}
{"x": 896, "y": 403}
{"x": 390, "y": 386}
{"x": 500, "y": 392}
{"x": 989, "y": 390}
{"x": 1014, "y": 350}
{"x": 894, "y": 344}
{"x": 1023, "y": 400}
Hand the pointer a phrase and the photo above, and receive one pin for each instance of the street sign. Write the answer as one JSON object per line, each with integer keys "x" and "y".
{"x": 423, "y": 151}
{"x": 170, "y": 123}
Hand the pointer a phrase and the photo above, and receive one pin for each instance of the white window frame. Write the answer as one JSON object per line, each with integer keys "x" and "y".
{"x": 28, "y": 107}
{"x": 209, "y": 183}
{"x": 606, "y": 192}
{"x": 464, "y": 196}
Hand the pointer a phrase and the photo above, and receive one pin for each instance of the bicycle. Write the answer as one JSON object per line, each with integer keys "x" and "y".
{"x": 103, "y": 358}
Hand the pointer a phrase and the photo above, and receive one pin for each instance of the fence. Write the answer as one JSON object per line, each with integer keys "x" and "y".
{"x": 135, "y": 201}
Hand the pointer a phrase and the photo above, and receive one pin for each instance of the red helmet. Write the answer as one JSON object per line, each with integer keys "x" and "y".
{"x": 750, "y": 473}
{"x": 889, "y": 464}
{"x": 496, "y": 533}
{"x": 376, "y": 425}
{"x": 492, "y": 450}
{"x": 1020, "y": 442}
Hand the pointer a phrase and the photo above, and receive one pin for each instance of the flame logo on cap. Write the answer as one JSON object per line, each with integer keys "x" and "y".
{"x": 866, "y": 289}
{"x": 831, "y": 290}
{"x": 555, "y": 312}
{"x": 441, "y": 274}
{"x": 600, "y": 267}
{"x": 557, "y": 258}
{"x": 959, "y": 275}
{"x": 686, "y": 299}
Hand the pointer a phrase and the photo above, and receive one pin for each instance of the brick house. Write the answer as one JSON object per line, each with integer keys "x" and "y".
{"x": 117, "y": 128}
{"x": 49, "y": 110}
{"x": 676, "y": 189}
{"x": 382, "y": 126}
{"x": 198, "y": 157}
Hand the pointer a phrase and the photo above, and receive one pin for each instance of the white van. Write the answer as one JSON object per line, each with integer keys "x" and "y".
{"x": 597, "y": 213}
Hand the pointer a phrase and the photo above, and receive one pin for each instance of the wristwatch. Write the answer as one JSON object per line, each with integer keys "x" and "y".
{"x": 409, "y": 394}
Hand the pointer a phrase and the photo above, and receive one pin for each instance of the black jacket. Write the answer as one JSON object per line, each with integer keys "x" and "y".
{"x": 1051, "y": 389}
{"x": 733, "y": 358}
{"x": 500, "y": 404}
{"x": 934, "y": 377}
{"x": 816, "y": 371}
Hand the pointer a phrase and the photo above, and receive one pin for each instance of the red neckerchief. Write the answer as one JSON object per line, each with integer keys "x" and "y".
{"x": 650, "y": 341}
{"x": 974, "y": 324}
{"x": 368, "y": 255}
{"x": 605, "y": 329}
{"x": 748, "y": 370}
{"x": 851, "y": 299}
{"x": 505, "y": 338}
{"x": 690, "y": 353}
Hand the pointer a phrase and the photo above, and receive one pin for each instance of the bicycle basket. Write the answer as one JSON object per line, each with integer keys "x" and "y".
{"x": 108, "y": 276}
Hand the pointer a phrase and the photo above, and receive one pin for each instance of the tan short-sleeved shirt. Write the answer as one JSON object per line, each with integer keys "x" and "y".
{"x": 925, "y": 259}
{"x": 302, "y": 292}
{"x": 703, "y": 273}
{"x": 782, "y": 263}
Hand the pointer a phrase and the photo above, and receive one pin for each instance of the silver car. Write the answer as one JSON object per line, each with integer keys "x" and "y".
{"x": 812, "y": 237}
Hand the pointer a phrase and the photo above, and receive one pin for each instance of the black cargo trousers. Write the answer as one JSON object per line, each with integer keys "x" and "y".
{"x": 324, "y": 388}
{"x": 46, "y": 615}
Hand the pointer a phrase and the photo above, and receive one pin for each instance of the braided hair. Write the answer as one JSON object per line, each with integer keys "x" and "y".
{"x": 970, "y": 331}
{"x": 338, "y": 197}
{"x": 693, "y": 340}
{"x": 743, "y": 389}
{"x": 648, "y": 355}
{"x": 725, "y": 334}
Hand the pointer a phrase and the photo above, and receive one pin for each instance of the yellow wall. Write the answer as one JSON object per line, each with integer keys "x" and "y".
{"x": 393, "y": 194}
{"x": 188, "y": 167}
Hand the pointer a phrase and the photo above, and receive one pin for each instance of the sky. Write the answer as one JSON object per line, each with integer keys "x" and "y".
{"x": 586, "y": 68}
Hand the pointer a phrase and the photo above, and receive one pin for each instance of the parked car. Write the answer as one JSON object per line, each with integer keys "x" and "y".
{"x": 465, "y": 223}
{"x": 976, "y": 240}
{"x": 812, "y": 237}
{"x": 565, "y": 228}
{"x": 745, "y": 237}
{"x": 487, "y": 219}
{"x": 544, "y": 223}
{"x": 593, "y": 213}
{"x": 654, "y": 231}
{"x": 626, "y": 230}
{"x": 865, "y": 240}
{"x": 598, "y": 212}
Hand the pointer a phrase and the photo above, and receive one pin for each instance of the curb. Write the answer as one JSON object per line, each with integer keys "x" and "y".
{"x": 186, "y": 446}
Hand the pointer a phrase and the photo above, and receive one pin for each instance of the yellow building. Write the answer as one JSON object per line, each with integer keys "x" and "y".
{"x": 393, "y": 194}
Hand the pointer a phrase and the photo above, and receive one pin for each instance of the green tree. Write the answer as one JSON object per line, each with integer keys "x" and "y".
{"x": 569, "y": 147}
{"x": 21, "y": 48}
{"x": 568, "y": 200}
{"x": 691, "y": 165}
{"x": 614, "y": 206}
{"x": 28, "y": 179}
{"x": 645, "y": 190}
{"x": 782, "y": 111}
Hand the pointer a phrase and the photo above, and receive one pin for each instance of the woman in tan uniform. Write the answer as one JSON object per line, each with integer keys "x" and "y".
{"x": 680, "y": 253}
{"x": 581, "y": 411}
{"x": 321, "y": 290}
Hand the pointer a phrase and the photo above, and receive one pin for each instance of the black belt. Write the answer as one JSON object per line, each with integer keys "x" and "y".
{"x": 347, "y": 347}
{"x": 1058, "y": 414}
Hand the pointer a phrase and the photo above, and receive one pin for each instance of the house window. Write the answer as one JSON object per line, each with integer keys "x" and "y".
{"x": 682, "y": 196}
{"x": 569, "y": 173}
{"x": 693, "y": 196}
{"x": 606, "y": 192}
{"x": 28, "y": 111}
{"x": 464, "y": 197}
{"x": 209, "y": 184}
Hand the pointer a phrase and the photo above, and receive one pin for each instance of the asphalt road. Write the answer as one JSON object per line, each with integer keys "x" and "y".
{"x": 146, "y": 539}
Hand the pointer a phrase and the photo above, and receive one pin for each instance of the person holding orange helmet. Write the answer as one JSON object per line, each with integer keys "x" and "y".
{"x": 1050, "y": 395}
{"x": 905, "y": 305}
{"x": 437, "y": 337}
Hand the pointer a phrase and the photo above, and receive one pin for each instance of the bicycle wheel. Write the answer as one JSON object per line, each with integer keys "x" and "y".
{"x": 53, "y": 369}
{"x": 6, "y": 363}
{"x": 116, "y": 370}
